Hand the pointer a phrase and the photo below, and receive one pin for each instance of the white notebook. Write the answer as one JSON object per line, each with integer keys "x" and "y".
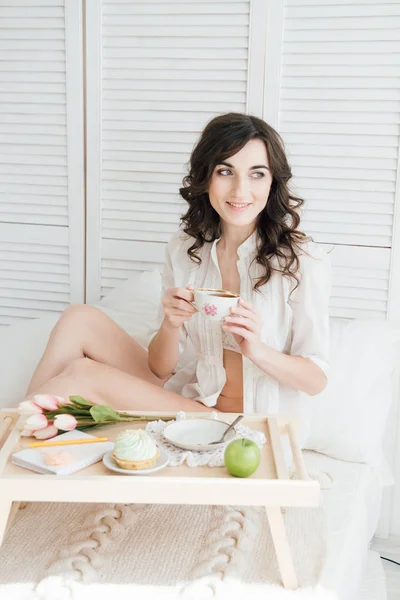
{"x": 83, "y": 455}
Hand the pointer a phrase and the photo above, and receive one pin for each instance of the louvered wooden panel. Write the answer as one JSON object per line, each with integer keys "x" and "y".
{"x": 339, "y": 116}
{"x": 360, "y": 282}
{"x": 165, "y": 70}
{"x": 165, "y": 73}
{"x": 340, "y": 119}
{"x": 353, "y": 4}
{"x": 41, "y": 166}
{"x": 33, "y": 128}
{"x": 121, "y": 259}
{"x": 34, "y": 271}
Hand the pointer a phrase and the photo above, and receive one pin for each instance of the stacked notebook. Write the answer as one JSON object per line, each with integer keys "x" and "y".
{"x": 82, "y": 455}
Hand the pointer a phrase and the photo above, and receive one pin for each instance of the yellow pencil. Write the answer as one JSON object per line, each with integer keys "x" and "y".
{"x": 66, "y": 442}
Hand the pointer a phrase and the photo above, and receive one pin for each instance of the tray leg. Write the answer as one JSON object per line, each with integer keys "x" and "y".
{"x": 282, "y": 548}
{"x": 5, "y": 514}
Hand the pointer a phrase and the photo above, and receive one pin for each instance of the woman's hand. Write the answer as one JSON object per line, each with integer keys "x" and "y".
{"x": 176, "y": 306}
{"x": 246, "y": 325}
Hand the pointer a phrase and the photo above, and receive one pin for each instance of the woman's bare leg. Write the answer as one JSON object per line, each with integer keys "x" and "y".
{"x": 103, "y": 384}
{"x": 85, "y": 331}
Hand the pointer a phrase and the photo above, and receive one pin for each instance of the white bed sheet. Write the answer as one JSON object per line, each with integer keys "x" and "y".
{"x": 352, "y": 507}
{"x": 373, "y": 586}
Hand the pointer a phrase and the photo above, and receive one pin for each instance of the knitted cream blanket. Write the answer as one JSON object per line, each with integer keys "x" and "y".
{"x": 118, "y": 551}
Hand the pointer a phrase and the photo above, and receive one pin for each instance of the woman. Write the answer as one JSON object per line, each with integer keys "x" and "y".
{"x": 240, "y": 233}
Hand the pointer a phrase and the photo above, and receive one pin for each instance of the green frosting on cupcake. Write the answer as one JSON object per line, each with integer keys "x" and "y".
{"x": 134, "y": 444}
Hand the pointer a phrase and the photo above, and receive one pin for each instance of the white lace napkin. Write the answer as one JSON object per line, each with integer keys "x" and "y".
{"x": 211, "y": 458}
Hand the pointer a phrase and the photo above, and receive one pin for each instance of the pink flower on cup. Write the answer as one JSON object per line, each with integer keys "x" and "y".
{"x": 46, "y": 433}
{"x": 65, "y": 422}
{"x": 210, "y": 310}
{"x": 28, "y": 407}
{"x": 47, "y": 401}
{"x": 35, "y": 422}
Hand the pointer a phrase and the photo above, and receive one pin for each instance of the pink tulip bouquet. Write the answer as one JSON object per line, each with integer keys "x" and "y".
{"x": 47, "y": 415}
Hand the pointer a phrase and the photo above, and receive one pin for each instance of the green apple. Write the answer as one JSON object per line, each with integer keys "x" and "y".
{"x": 242, "y": 457}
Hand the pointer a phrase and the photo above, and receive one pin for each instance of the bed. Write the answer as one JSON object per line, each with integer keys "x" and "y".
{"x": 352, "y": 508}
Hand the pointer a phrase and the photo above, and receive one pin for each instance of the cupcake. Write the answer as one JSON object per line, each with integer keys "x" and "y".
{"x": 135, "y": 450}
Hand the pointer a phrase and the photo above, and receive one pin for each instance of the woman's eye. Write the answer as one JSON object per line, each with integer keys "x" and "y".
{"x": 255, "y": 175}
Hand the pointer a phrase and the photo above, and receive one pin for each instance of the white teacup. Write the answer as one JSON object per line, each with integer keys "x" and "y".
{"x": 215, "y": 304}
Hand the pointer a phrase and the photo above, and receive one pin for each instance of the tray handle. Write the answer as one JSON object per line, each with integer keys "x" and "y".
{"x": 277, "y": 427}
{"x": 296, "y": 451}
{"x": 9, "y": 436}
{"x": 7, "y": 420}
{"x": 277, "y": 450}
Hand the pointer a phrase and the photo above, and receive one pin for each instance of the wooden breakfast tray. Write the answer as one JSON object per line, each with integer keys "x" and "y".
{"x": 269, "y": 486}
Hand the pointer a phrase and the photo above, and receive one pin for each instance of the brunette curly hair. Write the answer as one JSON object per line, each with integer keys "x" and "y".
{"x": 277, "y": 223}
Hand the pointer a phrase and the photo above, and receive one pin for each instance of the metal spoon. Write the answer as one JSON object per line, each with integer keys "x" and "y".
{"x": 239, "y": 418}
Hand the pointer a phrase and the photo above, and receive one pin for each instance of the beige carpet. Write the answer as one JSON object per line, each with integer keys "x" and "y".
{"x": 73, "y": 551}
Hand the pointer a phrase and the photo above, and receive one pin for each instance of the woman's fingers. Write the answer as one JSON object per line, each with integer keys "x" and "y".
{"x": 246, "y": 305}
{"x": 179, "y": 298}
{"x": 183, "y": 293}
{"x": 184, "y": 305}
{"x": 243, "y": 322}
{"x": 243, "y": 305}
{"x": 180, "y": 306}
{"x": 245, "y": 312}
{"x": 177, "y": 307}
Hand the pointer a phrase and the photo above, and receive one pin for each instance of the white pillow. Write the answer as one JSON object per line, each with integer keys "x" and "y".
{"x": 134, "y": 304}
{"x": 349, "y": 418}
{"x": 21, "y": 347}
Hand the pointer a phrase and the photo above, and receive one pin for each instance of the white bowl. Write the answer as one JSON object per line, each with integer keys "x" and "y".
{"x": 196, "y": 434}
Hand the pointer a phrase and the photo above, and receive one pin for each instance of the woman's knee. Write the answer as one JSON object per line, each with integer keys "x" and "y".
{"x": 76, "y": 317}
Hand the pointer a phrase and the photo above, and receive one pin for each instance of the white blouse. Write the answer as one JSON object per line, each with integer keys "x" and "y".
{"x": 298, "y": 325}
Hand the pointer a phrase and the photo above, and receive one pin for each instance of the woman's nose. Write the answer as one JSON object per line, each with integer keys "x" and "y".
{"x": 241, "y": 187}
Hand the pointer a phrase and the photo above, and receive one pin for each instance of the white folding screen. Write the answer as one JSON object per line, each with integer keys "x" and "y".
{"x": 322, "y": 71}
{"x": 156, "y": 73}
{"x": 339, "y": 116}
{"x": 41, "y": 158}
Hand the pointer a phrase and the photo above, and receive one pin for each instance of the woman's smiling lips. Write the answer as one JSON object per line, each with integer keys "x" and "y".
{"x": 238, "y": 206}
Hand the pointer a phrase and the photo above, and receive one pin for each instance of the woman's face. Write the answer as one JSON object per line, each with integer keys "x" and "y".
{"x": 240, "y": 185}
